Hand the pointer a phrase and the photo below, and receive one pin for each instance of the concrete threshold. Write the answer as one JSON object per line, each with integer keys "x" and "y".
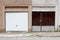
{"x": 31, "y": 34}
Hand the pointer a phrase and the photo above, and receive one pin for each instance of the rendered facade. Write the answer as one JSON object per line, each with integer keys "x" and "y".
{"x": 29, "y": 15}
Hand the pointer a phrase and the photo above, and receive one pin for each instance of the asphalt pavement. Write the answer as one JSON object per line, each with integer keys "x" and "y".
{"x": 29, "y": 38}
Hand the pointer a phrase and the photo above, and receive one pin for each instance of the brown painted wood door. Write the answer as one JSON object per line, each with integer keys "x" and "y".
{"x": 48, "y": 19}
{"x": 35, "y": 19}
{"x": 43, "y": 19}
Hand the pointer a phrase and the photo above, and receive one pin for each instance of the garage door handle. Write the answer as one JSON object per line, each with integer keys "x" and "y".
{"x": 40, "y": 20}
{"x": 16, "y": 25}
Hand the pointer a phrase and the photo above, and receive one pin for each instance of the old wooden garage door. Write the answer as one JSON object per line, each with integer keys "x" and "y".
{"x": 43, "y": 21}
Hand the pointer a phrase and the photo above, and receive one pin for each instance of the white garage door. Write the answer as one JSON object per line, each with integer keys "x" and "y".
{"x": 16, "y": 21}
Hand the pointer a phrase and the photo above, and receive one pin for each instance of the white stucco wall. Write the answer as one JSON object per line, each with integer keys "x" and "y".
{"x": 58, "y": 11}
{"x": 44, "y": 2}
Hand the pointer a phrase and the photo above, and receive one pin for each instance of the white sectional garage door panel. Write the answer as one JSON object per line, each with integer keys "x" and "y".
{"x": 16, "y": 21}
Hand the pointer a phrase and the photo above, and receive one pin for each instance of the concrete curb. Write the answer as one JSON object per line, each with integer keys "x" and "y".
{"x": 39, "y": 34}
